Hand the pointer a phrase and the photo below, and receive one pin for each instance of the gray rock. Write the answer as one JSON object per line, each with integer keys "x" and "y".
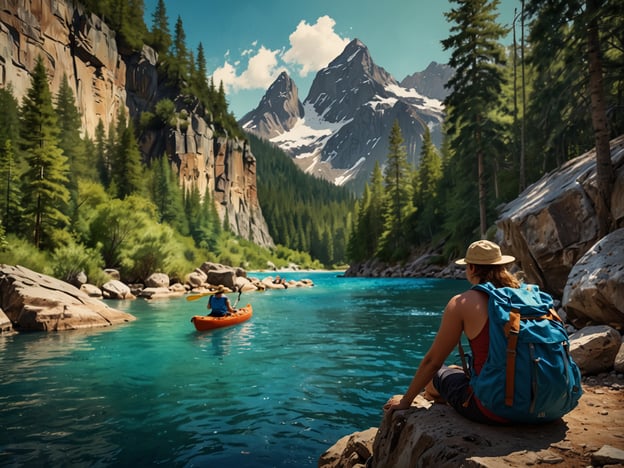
{"x": 618, "y": 363}
{"x": 552, "y": 224}
{"x": 5, "y": 324}
{"x": 594, "y": 348}
{"x": 157, "y": 280}
{"x": 608, "y": 455}
{"x": 37, "y": 302}
{"x": 116, "y": 290}
{"x": 91, "y": 290}
{"x": 594, "y": 291}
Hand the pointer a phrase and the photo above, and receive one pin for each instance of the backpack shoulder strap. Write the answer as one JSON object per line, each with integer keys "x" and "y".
{"x": 512, "y": 330}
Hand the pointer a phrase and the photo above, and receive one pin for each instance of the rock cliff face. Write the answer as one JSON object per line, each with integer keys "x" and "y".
{"x": 104, "y": 81}
{"x": 553, "y": 223}
{"x": 71, "y": 42}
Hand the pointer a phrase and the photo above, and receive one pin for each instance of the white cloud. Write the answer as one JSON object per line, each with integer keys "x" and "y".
{"x": 312, "y": 47}
{"x": 262, "y": 69}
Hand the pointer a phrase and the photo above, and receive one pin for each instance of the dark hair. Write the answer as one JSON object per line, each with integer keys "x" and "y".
{"x": 498, "y": 275}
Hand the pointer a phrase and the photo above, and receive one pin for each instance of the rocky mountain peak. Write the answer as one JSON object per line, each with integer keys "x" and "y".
{"x": 278, "y": 110}
{"x": 349, "y": 81}
{"x": 343, "y": 127}
{"x": 432, "y": 81}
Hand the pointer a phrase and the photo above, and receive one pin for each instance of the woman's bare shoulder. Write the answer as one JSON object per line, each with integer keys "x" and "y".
{"x": 468, "y": 298}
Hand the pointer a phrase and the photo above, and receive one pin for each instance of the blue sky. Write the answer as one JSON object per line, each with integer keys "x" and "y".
{"x": 248, "y": 43}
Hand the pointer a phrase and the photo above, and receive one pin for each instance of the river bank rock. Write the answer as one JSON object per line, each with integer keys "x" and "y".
{"x": 434, "y": 435}
{"x": 36, "y": 302}
{"x": 553, "y": 223}
{"x": 115, "y": 289}
{"x": 5, "y": 324}
{"x": 594, "y": 292}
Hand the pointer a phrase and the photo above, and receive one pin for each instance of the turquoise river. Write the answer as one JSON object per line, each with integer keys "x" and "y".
{"x": 311, "y": 366}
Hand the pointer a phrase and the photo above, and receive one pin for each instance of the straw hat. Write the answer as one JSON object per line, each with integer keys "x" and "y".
{"x": 484, "y": 252}
{"x": 218, "y": 290}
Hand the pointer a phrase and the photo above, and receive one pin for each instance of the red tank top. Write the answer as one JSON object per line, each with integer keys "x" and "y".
{"x": 479, "y": 346}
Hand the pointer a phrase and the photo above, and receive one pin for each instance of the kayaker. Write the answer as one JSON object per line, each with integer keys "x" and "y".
{"x": 219, "y": 305}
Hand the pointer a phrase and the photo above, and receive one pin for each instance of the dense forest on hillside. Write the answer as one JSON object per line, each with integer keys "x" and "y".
{"x": 513, "y": 115}
{"x": 74, "y": 204}
{"x": 303, "y": 212}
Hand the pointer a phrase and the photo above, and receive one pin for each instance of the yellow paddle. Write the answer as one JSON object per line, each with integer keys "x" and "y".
{"x": 194, "y": 297}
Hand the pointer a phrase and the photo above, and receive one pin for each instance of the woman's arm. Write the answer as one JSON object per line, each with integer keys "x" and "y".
{"x": 446, "y": 339}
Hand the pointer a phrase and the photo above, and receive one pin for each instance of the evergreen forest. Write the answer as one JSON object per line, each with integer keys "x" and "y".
{"x": 72, "y": 203}
{"x": 75, "y": 203}
{"x": 513, "y": 115}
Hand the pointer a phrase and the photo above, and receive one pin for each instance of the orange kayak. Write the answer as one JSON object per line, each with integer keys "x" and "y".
{"x": 206, "y": 322}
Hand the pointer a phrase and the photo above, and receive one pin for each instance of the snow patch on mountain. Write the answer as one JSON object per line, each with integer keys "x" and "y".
{"x": 415, "y": 98}
{"x": 309, "y": 134}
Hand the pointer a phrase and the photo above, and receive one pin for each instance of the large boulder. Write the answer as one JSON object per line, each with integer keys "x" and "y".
{"x": 37, "y": 302}
{"x": 553, "y": 223}
{"x": 435, "y": 435}
{"x": 5, "y": 324}
{"x": 196, "y": 278}
{"x": 594, "y": 291}
{"x": 594, "y": 348}
{"x": 217, "y": 274}
{"x": 115, "y": 289}
{"x": 157, "y": 280}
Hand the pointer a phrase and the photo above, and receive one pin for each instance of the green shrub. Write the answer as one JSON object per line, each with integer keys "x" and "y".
{"x": 21, "y": 252}
{"x": 70, "y": 260}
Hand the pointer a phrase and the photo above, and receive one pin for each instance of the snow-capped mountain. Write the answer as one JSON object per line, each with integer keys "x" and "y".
{"x": 278, "y": 110}
{"x": 344, "y": 124}
{"x": 431, "y": 82}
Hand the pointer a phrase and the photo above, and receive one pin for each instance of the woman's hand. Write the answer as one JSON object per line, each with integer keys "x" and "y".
{"x": 397, "y": 402}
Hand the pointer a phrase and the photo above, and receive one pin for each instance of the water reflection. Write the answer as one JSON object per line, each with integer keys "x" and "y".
{"x": 222, "y": 340}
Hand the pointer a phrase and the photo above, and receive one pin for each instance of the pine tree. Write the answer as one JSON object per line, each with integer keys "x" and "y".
{"x": 478, "y": 60}
{"x": 10, "y": 172}
{"x": 582, "y": 29}
{"x": 130, "y": 180}
{"x": 179, "y": 69}
{"x": 167, "y": 195}
{"x": 102, "y": 161}
{"x": 427, "y": 183}
{"x": 126, "y": 167}
{"x": 398, "y": 206}
{"x": 9, "y": 117}
{"x": 159, "y": 35}
{"x": 71, "y": 142}
{"x": 200, "y": 80}
{"x": 126, "y": 18}
{"x": 10, "y": 195}
{"x": 45, "y": 181}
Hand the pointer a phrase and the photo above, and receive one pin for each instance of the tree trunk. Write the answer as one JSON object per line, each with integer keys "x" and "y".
{"x": 604, "y": 168}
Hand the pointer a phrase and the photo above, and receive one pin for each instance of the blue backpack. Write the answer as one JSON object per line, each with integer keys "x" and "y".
{"x": 529, "y": 375}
